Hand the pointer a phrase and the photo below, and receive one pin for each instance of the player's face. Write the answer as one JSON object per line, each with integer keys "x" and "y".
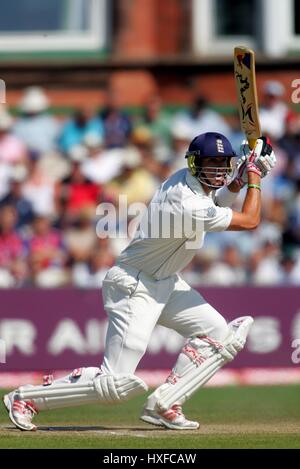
{"x": 215, "y": 171}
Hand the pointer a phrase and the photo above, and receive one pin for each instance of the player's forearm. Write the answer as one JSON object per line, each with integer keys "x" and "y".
{"x": 249, "y": 217}
{"x": 252, "y": 203}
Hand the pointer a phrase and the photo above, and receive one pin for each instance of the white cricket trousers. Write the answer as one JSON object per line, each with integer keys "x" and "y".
{"x": 135, "y": 302}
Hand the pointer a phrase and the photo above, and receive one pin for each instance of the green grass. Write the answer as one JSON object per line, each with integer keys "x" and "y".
{"x": 231, "y": 417}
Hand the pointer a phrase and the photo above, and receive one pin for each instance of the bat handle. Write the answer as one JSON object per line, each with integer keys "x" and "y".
{"x": 252, "y": 142}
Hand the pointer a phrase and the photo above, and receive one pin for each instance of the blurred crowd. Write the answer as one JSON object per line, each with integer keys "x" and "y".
{"x": 54, "y": 172}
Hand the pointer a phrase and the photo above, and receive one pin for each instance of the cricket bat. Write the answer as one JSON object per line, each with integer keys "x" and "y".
{"x": 244, "y": 72}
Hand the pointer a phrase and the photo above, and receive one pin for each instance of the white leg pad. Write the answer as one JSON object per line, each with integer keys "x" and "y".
{"x": 105, "y": 389}
{"x": 188, "y": 382}
{"x": 200, "y": 359}
{"x": 116, "y": 388}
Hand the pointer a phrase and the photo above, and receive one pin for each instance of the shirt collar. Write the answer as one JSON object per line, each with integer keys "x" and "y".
{"x": 195, "y": 185}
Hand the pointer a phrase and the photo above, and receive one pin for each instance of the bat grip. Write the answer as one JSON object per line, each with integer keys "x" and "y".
{"x": 252, "y": 142}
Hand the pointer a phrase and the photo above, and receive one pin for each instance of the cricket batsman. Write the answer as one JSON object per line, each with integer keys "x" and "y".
{"x": 144, "y": 288}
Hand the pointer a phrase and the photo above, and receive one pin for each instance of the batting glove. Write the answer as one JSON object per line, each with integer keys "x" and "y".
{"x": 260, "y": 160}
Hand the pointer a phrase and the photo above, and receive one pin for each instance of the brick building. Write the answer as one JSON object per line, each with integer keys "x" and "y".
{"x": 143, "y": 47}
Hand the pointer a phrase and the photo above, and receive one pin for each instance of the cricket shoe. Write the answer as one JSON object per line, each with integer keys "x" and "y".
{"x": 172, "y": 418}
{"x": 20, "y": 413}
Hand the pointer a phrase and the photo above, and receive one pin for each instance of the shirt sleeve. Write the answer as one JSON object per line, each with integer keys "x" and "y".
{"x": 224, "y": 197}
{"x": 203, "y": 215}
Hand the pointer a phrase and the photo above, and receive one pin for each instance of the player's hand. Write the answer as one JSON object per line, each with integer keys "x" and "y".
{"x": 263, "y": 156}
{"x": 243, "y": 167}
{"x": 260, "y": 160}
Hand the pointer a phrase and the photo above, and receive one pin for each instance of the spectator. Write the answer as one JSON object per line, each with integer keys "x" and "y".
{"x": 39, "y": 189}
{"x": 291, "y": 235}
{"x": 290, "y": 143}
{"x": 65, "y": 190}
{"x": 101, "y": 165}
{"x": 12, "y": 149}
{"x": 76, "y": 192}
{"x": 80, "y": 237}
{"x": 274, "y": 112}
{"x": 135, "y": 182}
{"x": 181, "y": 137}
{"x": 76, "y": 129}
{"x": 16, "y": 198}
{"x": 236, "y": 135}
{"x": 46, "y": 251}
{"x": 91, "y": 275}
{"x": 116, "y": 124}
{"x": 201, "y": 118}
{"x": 266, "y": 259}
{"x": 226, "y": 270}
{"x": 157, "y": 120}
{"x": 36, "y": 128}
{"x": 5, "y": 177}
{"x": 290, "y": 269}
{"x": 12, "y": 252}
{"x": 143, "y": 142}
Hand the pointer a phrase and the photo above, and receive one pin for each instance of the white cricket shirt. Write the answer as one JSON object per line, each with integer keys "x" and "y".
{"x": 173, "y": 227}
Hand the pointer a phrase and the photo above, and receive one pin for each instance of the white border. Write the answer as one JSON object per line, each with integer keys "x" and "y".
{"x": 95, "y": 38}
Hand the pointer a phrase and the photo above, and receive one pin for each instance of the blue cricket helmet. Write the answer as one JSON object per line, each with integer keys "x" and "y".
{"x": 209, "y": 144}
